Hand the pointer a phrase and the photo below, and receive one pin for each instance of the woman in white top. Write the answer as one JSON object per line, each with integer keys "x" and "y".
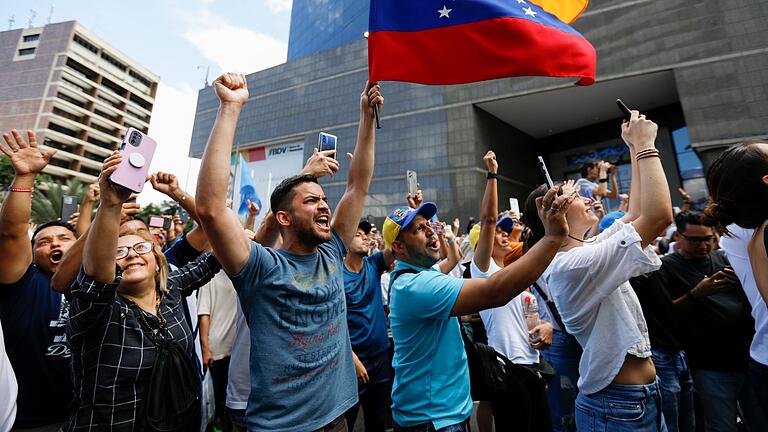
{"x": 738, "y": 188}
{"x": 524, "y": 406}
{"x": 588, "y": 279}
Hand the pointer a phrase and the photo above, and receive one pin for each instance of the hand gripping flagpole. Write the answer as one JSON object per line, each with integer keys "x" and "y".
{"x": 376, "y": 106}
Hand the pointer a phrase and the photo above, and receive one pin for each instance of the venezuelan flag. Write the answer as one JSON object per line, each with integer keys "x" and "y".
{"x": 455, "y": 42}
{"x": 566, "y": 11}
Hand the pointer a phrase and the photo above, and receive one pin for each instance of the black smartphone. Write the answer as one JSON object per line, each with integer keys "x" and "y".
{"x": 543, "y": 168}
{"x": 183, "y": 215}
{"x": 624, "y": 110}
{"x": 167, "y": 223}
{"x": 68, "y": 206}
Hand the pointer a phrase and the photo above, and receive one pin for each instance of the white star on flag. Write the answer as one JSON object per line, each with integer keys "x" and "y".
{"x": 529, "y": 11}
{"x": 520, "y": 1}
{"x": 444, "y": 12}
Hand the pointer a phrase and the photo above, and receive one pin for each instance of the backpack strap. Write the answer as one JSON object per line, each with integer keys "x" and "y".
{"x": 552, "y": 308}
{"x": 396, "y": 274}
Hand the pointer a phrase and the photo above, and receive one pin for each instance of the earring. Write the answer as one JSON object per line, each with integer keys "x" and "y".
{"x": 157, "y": 269}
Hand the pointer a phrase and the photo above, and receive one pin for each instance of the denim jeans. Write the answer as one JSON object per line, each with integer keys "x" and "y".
{"x": 374, "y": 396}
{"x": 620, "y": 408}
{"x": 428, "y": 427}
{"x": 676, "y": 389}
{"x": 755, "y": 404}
{"x": 719, "y": 393}
{"x": 564, "y": 354}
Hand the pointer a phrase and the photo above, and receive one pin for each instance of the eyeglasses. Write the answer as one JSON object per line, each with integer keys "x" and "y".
{"x": 692, "y": 239}
{"x": 140, "y": 248}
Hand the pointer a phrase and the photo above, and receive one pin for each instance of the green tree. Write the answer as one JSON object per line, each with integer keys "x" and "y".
{"x": 6, "y": 172}
{"x": 166, "y": 207}
{"x": 46, "y": 199}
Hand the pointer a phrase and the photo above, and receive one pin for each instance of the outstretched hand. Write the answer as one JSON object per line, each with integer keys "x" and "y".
{"x": 26, "y": 158}
{"x": 111, "y": 194}
{"x": 552, "y": 209}
{"x": 321, "y": 163}
{"x": 415, "y": 201}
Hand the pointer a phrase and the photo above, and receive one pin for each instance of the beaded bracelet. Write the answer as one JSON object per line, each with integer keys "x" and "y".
{"x": 18, "y": 189}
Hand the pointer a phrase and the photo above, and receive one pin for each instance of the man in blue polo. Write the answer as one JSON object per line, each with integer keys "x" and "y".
{"x": 431, "y": 386}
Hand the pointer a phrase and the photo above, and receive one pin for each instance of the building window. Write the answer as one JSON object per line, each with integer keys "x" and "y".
{"x": 85, "y": 44}
{"x": 31, "y": 38}
{"x": 690, "y": 168}
{"x": 26, "y": 51}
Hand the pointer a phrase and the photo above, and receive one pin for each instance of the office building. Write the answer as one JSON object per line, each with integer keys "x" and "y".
{"x": 76, "y": 91}
{"x": 699, "y": 69}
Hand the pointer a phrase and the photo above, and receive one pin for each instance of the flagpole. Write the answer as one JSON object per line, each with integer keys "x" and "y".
{"x": 375, "y": 107}
{"x": 237, "y": 168}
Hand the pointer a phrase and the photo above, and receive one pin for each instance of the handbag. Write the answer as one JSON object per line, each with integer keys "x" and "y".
{"x": 172, "y": 402}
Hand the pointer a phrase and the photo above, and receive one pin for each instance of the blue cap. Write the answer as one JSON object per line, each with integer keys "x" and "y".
{"x": 401, "y": 218}
{"x": 506, "y": 223}
{"x": 609, "y": 219}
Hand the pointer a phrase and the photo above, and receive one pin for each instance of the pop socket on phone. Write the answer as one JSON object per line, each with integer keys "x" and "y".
{"x": 137, "y": 160}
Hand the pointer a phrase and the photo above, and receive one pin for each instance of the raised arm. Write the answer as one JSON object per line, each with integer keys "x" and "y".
{"x": 602, "y": 182}
{"x": 347, "y": 214}
{"x": 227, "y": 237}
{"x": 506, "y": 284}
{"x": 655, "y": 201}
{"x": 634, "y": 207}
{"x": 15, "y": 247}
{"x": 86, "y": 209}
{"x": 489, "y": 211}
{"x": 101, "y": 241}
{"x": 253, "y": 211}
{"x": 452, "y": 255}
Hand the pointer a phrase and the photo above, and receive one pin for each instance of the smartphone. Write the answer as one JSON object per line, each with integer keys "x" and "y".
{"x": 514, "y": 206}
{"x": 543, "y": 168}
{"x": 68, "y": 206}
{"x": 413, "y": 184}
{"x": 624, "y": 110}
{"x": 138, "y": 150}
{"x": 167, "y": 223}
{"x": 183, "y": 215}
{"x": 156, "y": 221}
{"x": 438, "y": 228}
{"x": 326, "y": 141}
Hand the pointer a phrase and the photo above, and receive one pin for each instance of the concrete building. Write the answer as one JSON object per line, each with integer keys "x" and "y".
{"x": 75, "y": 90}
{"x": 699, "y": 69}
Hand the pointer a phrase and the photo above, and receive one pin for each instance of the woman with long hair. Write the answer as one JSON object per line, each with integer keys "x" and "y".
{"x": 588, "y": 282}
{"x": 738, "y": 208}
{"x": 126, "y": 314}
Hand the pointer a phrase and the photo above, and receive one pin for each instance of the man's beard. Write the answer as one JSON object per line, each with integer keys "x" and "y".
{"x": 422, "y": 259}
{"x": 308, "y": 236}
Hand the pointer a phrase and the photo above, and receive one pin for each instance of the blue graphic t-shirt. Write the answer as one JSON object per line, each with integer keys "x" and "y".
{"x": 365, "y": 310}
{"x": 34, "y": 319}
{"x": 302, "y": 373}
{"x": 431, "y": 371}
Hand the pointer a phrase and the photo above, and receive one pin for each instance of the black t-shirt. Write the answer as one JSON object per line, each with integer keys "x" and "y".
{"x": 34, "y": 318}
{"x": 715, "y": 331}
{"x": 663, "y": 328}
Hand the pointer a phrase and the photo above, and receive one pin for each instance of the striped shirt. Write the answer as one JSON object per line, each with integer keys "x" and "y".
{"x": 112, "y": 356}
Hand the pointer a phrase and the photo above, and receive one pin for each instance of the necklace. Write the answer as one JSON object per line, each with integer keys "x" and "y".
{"x": 578, "y": 240}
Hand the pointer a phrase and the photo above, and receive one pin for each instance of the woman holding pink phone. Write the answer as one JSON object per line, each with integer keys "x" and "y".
{"x": 127, "y": 327}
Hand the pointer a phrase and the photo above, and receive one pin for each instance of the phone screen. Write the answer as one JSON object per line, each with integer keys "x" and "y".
{"x": 410, "y": 177}
{"x": 68, "y": 206}
{"x": 156, "y": 221}
{"x": 514, "y": 206}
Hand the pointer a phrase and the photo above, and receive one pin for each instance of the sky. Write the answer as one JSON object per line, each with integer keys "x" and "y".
{"x": 177, "y": 40}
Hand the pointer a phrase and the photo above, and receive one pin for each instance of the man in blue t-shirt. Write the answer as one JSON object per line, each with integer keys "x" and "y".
{"x": 431, "y": 387}
{"x": 368, "y": 328}
{"x": 302, "y": 371}
{"x": 33, "y": 315}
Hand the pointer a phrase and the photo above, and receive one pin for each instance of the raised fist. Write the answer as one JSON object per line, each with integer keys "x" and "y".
{"x": 231, "y": 88}
{"x": 490, "y": 161}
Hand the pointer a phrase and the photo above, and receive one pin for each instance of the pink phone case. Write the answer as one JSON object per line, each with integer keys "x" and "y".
{"x": 132, "y": 172}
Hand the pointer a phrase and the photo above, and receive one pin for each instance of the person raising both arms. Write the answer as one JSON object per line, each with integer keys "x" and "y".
{"x": 302, "y": 370}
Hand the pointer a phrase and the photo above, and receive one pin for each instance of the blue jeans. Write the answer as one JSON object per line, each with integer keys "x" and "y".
{"x": 428, "y": 427}
{"x": 620, "y": 408}
{"x": 676, "y": 389}
{"x": 719, "y": 393}
{"x": 564, "y": 354}
{"x": 755, "y": 404}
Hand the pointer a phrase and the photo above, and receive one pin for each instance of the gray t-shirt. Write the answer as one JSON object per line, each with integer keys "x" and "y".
{"x": 302, "y": 372}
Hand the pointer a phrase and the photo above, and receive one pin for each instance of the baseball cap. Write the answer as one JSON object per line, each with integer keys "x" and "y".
{"x": 506, "y": 223}
{"x": 365, "y": 226}
{"x": 609, "y": 219}
{"x": 474, "y": 235}
{"x": 401, "y": 218}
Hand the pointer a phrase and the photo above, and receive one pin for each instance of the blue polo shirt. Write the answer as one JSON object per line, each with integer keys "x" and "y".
{"x": 431, "y": 373}
{"x": 365, "y": 309}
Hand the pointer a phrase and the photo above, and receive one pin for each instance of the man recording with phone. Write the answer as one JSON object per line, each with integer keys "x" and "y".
{"x": 302, "y": 370}
{"x": 594, "y": 180}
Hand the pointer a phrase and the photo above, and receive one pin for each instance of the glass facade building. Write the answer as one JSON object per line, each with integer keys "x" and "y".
{"x": 318, "y": 25}
{"x": 703, "y": 84}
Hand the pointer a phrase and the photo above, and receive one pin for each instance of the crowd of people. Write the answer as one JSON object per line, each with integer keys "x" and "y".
{"x": 564, "y": 317}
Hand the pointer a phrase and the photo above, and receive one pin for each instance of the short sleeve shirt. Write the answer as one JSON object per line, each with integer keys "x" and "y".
{"x": 591, "y": 290}
{"x": 586, "y": 187}
{"x": 431, "y": 373}
{"x": 506, "y": 326}
{"x": 302, "y": 372}
{"x": 218, "y": 299}
{"x": 34, "y": 321}
{"x": 365, "y": 310}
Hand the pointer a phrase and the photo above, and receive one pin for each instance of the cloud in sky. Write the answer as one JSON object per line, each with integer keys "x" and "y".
{"x": 235, "y": 48}
{"x": 277, "y": 6}
{"x": 171, "y": 126}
